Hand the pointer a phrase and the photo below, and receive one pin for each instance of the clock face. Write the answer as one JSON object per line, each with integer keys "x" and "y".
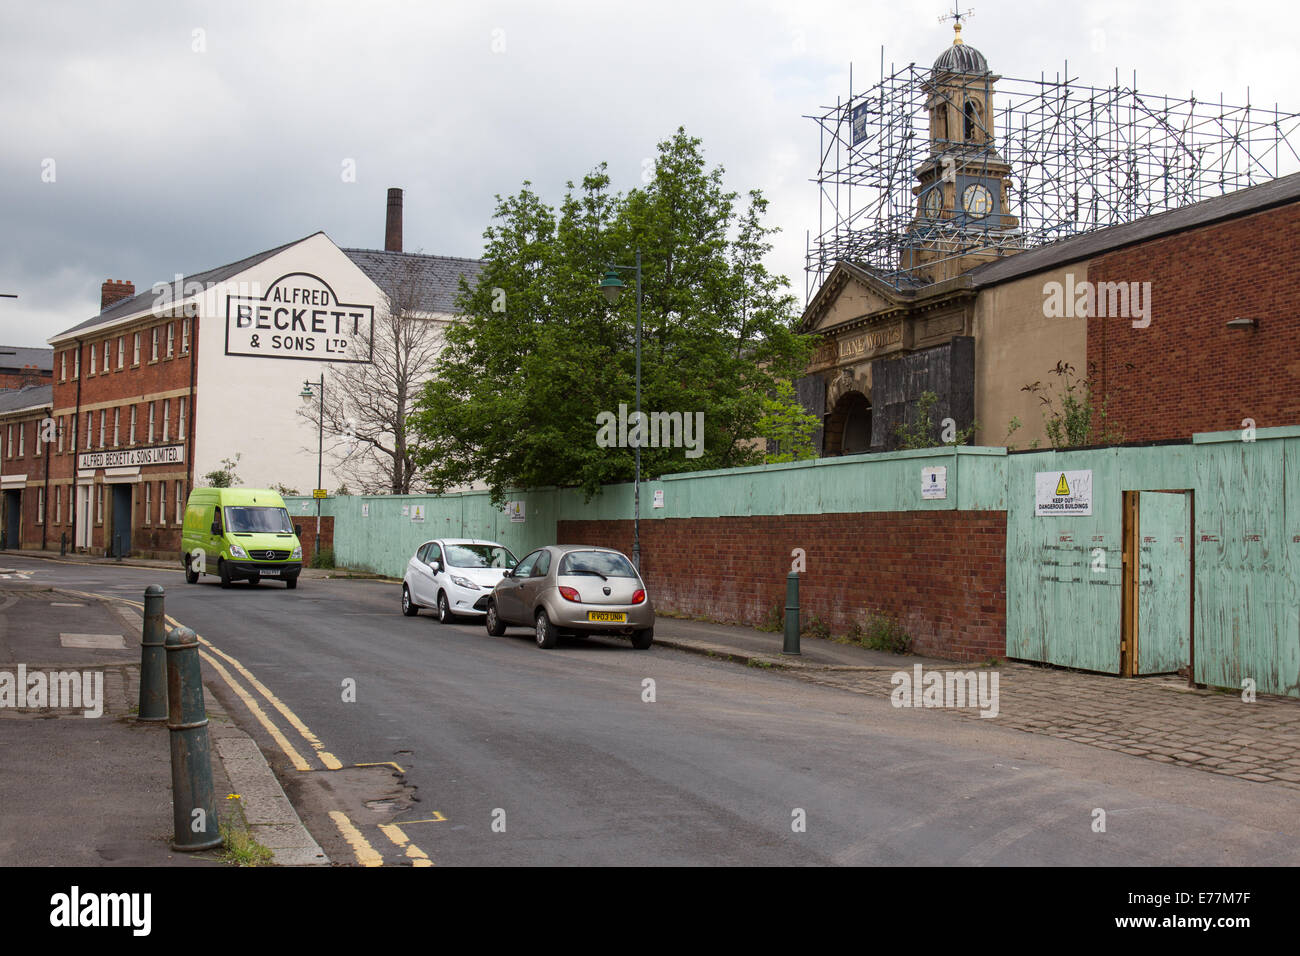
{"x": 934, "y": 202}
{"x": 977, "y": 201}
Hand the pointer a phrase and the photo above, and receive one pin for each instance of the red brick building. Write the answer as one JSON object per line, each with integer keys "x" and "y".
{"x": 20, "y": 367}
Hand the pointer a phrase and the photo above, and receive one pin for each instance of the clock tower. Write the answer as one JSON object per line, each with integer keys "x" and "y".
{"x": 963, "y": 215}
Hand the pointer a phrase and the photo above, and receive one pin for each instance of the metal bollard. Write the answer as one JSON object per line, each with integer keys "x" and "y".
{"x": 194, "y": 810}
{"x": 63, "y": 545}
{"x": 791, "y": 614}
{"x": 117, "y": 546}
{"x": 153, "y": 657}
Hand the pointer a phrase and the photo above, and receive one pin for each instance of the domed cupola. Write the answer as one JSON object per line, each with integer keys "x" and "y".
{"x": 961, "y": 58}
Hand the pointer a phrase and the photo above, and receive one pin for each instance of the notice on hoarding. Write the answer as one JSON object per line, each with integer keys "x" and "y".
{"x": 299, "y": 318}
{"x": 417, "y": 512}
{"x": 132, "y": 457}
{"x": 1063, "y": 492}
{"x": 659, "y": 498}
{"x": 934, "y": 482}
{"x": 515, "y": 509}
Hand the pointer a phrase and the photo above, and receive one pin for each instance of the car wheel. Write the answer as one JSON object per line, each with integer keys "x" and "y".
{"x": 642, "y": 640}
{"x": 444, "y": 609}
{"x": 255, "y": 580}
{"x": 191, "y": 576}
{"x": 493, "y": 622}
{"x": 409, "y": 607}
{"x": 224, "y": 571}
{"x": 291, "y": 583}
{"x": 547, "y": 635}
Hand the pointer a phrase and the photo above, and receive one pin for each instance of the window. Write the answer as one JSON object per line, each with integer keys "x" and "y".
{"x": 171, "y": 339}
{"x": 155, "y": 344}
{"x": 74, "y": 432}
{"x": 121, "y": 352}
{"x": 103, "y": 425}
{"x": 22, "y": 433}
{"x": 180, "y": 501}
{"x": 92, "y": 360}
{"x": 151, "y": 423}
{"x": 148, "y": 502}
{"x": 180, "y": 422}
{"x": 99, "y": 505}
{"x": 76, "y": 363}
{"x": 58, "y": 505}
{"x": 130, "y": 435}
{"x": 40, "y": 505}
{"x": 117, "y": 432}
{"x": 136, "y": 350}
{"x": 162, "y": 502}
{"x": 58, "y": 426}
{"x": 63, "y": 367}
{"x": 9, "y": 433}
{"x": 167, "y": 417}
{"x": 90, "y": 431}
{"x": 106, "y": 356}
{"x": 185, "y": 336}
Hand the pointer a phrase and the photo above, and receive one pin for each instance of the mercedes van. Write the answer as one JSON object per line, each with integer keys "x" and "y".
{"x": 239, "y": 534}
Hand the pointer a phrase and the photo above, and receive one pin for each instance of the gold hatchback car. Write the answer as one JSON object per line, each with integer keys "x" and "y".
{"x": 574, "y": 589}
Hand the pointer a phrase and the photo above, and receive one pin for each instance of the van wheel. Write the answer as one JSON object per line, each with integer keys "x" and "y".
{"x": 224, "y": 572}
{"x": 255, "y": 580}
{"x": 291, "y": 583}
{"x": 409, "y": 607}
{"x": 191, "y": 576}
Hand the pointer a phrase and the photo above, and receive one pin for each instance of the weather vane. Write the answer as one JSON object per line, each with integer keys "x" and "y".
{"x": 956, "y": 14}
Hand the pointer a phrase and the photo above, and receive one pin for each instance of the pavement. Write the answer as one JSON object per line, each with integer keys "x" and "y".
{"x": 98, "y": 766}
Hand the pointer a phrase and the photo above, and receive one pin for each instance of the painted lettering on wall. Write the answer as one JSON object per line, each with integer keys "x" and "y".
{"x": 298, "y": 318}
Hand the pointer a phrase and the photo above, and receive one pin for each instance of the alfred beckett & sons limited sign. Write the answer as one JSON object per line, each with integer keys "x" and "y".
{"x": 298, "y": 318}
{"x": 132, "y": 457}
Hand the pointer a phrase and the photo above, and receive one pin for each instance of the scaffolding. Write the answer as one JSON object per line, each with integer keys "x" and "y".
{"x": 1081, "y": 158}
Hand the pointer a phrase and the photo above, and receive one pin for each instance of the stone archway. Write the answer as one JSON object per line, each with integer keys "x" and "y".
{"x": 848, "y": 426}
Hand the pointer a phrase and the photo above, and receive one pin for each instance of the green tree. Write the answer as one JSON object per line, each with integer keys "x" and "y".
{"x": 924, "y": 432}
{"x": 540, "y": 353}
{"x": 224, "y": 477}
{"x": 785, "y": 423}
{"x": 1072, "y": 416}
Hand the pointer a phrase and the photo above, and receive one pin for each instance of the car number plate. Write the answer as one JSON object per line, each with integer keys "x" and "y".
{"x": 272, "y": 573}
{"x": 607, "y": 617}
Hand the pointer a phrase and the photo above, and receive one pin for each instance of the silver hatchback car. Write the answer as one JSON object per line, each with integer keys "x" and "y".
{"x": 573, "y": 588}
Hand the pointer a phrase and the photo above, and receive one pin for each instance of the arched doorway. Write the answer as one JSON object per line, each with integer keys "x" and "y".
{"x": 848, "y": 426}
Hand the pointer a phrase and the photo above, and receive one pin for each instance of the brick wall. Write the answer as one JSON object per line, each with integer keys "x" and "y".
{"x": 939, "y": 573}
{"x": 308, "y": 536}
{"x": 1188, "y": 372}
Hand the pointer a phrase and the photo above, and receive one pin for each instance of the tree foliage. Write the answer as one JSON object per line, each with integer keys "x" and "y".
{"x": 540, "y": 352}
{"x": 1072, "y": 416}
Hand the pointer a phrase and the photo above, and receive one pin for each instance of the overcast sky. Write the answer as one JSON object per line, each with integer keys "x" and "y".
{"x": 170, "y": 160}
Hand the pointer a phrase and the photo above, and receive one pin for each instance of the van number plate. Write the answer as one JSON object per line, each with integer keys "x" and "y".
{"x": 607, "y": 617}
{"x": 271, "y": 573}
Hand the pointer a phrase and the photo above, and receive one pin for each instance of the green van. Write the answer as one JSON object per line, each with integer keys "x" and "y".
{"x": 239, "y": 533}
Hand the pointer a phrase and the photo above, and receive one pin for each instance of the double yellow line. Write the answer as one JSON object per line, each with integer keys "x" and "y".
{"x": 365, "y": 852}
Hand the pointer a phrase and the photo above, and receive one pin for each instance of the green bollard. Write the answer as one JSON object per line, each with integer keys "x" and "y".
{"x": 194, "y": 810}
{"x": 153, "y": 658}
{"x": 791, "y": 614}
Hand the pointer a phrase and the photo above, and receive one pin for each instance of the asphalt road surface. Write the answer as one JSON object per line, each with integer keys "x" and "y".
{"x": 513, "y": 755}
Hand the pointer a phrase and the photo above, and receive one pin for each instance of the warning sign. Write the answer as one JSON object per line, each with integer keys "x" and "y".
{"x": 1063, "y": 493}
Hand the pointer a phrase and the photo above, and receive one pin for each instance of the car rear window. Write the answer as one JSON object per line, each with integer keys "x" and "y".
{"x": 606, "y": 563}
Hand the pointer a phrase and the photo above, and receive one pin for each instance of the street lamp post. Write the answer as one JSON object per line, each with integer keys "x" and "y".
{"x": 612, "y": 286}
{"x": 320, "y": 440}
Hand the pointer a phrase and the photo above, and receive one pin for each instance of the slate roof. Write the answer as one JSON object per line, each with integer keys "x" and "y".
{"x": 434, "y": 280}
{"x": 19, "y": 357}
{"x": 33, "y": 396}
{"x": 1243, "y": 202}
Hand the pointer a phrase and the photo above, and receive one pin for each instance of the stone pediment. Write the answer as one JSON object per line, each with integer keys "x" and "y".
{"x": 849, "y": 293}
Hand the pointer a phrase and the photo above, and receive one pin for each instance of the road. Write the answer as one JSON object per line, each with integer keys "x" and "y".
{"x": 513, "y": 755}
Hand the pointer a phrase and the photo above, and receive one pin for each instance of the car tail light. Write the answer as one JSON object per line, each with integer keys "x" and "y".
{"x": 569, "y": 594}
{"x": 638, "y": 597}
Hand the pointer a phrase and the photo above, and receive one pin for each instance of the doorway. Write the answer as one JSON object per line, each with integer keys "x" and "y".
{"x": 120, "y": 542}
{"x": 13, "y": 519}
{"x": 1156, "y": 636}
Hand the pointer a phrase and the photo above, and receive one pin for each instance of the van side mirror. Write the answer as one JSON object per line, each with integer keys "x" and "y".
{"x": 216, "y": 527}
{"x": 297, "y": 529}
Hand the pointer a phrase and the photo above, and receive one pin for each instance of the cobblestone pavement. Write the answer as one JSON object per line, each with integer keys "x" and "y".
{"x": 1159, "y": 718}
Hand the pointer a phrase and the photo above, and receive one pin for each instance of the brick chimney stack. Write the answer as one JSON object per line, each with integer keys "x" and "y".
{"x": 114, "y": 291}
{"x": 393, "y": 225}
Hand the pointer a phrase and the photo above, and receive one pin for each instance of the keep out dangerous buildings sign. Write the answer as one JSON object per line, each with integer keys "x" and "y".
{"x": 299, "y": 318}
{"x": 1063, "y": 492}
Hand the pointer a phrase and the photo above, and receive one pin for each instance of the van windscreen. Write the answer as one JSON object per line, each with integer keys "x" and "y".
{"x": 247, "y": 520}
